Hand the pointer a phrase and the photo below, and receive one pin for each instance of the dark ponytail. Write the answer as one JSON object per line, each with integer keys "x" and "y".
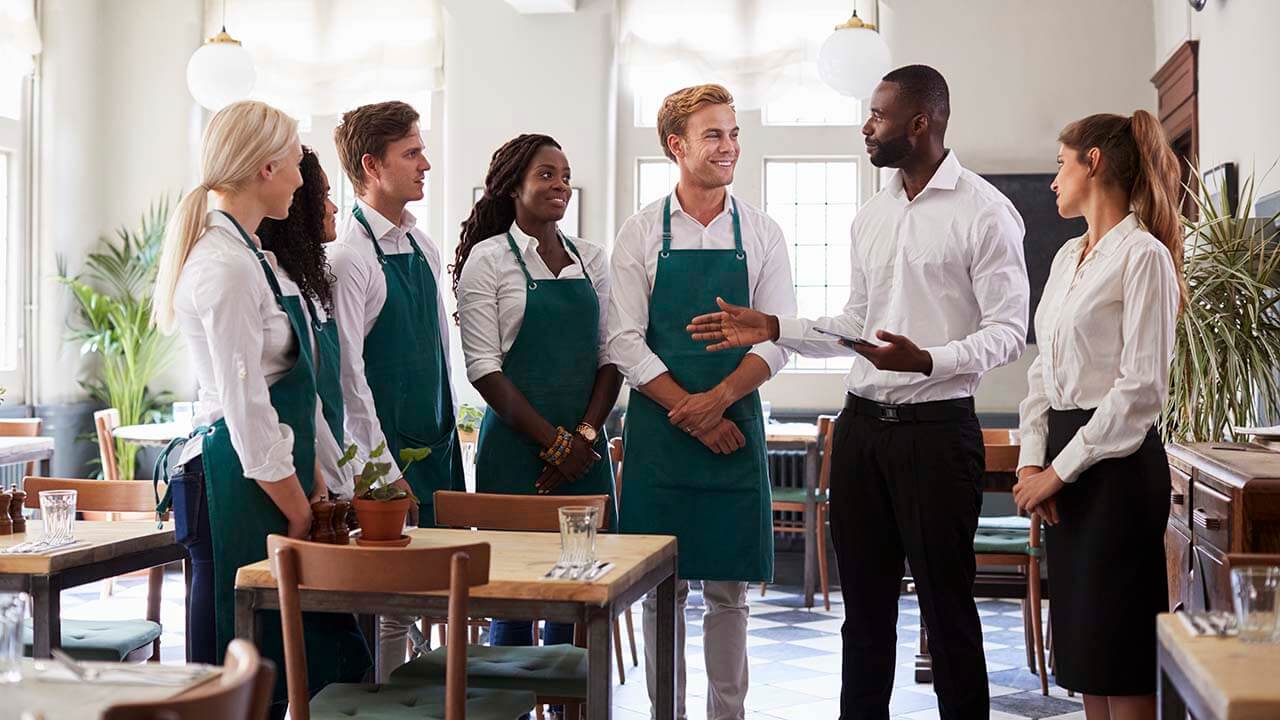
{"x": 1137, "y": 158}
{"x": 496, "y": 209}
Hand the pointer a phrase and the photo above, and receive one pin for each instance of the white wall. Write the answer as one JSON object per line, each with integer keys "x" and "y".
{"x": 1239, "y": 56}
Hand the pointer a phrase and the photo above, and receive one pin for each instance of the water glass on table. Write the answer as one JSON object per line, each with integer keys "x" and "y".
{"x": 577, "y": 536}
{"x": 13, "y": 608}
{"x": 58, "y": 510}
{"x": 1255, "y": 592}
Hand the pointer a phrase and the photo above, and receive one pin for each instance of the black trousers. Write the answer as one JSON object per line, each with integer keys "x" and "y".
{"x": 908, "y": 489}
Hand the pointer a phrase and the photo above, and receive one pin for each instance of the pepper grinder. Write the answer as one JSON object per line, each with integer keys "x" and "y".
{"x": 15, "y": 509}
{"x": 6, "y": 524}
{"x": 341, "y": 534}
{"x": 322, "y": 522}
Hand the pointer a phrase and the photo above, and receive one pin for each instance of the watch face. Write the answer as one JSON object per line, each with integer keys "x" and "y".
{"x": 587, "y": 432}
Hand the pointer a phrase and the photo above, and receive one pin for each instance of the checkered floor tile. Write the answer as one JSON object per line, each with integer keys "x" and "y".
{"x": 794, "y": 656}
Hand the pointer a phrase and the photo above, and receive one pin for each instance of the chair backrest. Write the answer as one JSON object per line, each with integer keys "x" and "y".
{"x": 234, "y": 695}
{"x": 106, "y": 421}
{"x": 826, "y": 426}
{"x": 494, "y": 511}
{"x": 22, "y": 427}
{"x": 1252, "y": 560}
{"x": 349, "y": 568}
{"x": 1002, "y": 449}
{"x": 96, "y": 495}
{"x": 615, "y": 454}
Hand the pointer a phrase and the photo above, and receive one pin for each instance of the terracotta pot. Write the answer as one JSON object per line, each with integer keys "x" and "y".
{"x": 381, "y": 519}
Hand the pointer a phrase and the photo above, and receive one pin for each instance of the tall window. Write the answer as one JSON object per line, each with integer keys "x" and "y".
{"x": 9, "y": 260}
{"x": 819, "y": 106}
{"x": 655, "y": 178}
{"x": 814, "y": 200}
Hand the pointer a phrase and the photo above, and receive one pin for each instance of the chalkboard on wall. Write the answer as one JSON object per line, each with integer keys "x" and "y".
{"x": 1047, "y": 232}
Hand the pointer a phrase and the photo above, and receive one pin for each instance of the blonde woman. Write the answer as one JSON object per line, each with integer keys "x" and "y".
{"x": 1092, "y": 462}
{"x": 250, "y": 467}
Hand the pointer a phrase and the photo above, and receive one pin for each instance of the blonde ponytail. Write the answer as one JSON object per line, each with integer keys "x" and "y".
{"x": 240, "y": 139}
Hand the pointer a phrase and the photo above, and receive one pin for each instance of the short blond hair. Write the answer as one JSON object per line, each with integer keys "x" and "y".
{"x": 679, "y": 105}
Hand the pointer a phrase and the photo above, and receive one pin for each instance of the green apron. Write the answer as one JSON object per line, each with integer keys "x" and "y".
{"x": 241, "y": 516}
{"x": 328, "y": 371}
{"x": 553, "y": 363}
{"x": 717, "y": 506}
{"x": 404, "y": 365}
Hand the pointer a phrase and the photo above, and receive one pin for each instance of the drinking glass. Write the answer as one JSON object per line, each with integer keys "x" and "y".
{"x": 183, "y": 412}
{"x": 58, "y": 509}
{"x": 1254, "y": 592}
{"x": 13, "y": 608}
{"x": 577, "y": 536}
{"x": 766, "y": 410}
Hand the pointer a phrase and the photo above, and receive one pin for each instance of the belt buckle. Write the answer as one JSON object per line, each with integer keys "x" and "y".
{"x": 889, "y": 413}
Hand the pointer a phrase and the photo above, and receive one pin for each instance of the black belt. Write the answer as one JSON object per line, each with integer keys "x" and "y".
{"x": 936, "y": 411}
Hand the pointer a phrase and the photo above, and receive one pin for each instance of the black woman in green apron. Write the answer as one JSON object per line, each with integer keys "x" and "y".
{"x": 532, "y": 304}
{"x": 395, "y": 352}
{"x": 250, "y": 465}
{"x": 693, "y": 440}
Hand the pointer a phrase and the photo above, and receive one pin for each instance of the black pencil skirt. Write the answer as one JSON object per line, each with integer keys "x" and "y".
{"x": 1107, "y": 567}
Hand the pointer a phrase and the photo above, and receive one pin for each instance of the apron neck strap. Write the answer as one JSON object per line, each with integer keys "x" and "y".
{"x": 311, "y": 311}
{"x": 666, "y": 225}
{"x": 532, "y": 284}
{"x": 382, "y": 257}
{"x": 257, "y": 252}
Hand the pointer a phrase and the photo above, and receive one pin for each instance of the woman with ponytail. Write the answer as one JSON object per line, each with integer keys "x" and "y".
{"x": 532, "y": 309}
{"x": 250, "y": 466}
{"x": 1092, "y": 464}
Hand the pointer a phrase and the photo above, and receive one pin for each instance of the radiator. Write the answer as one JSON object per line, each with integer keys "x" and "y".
{"x": 786, "y": 470}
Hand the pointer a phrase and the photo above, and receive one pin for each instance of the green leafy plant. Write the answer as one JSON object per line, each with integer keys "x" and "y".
{"x": 1227, "y": 347}
{"x": 113, "y": 321}
{"x": 469, "y": 418}
{"x": 371, "y": 485}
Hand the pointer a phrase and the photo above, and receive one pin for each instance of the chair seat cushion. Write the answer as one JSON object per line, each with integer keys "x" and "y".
{"x": 109, "y": 640}
{"x": 551, "y": 670}
{"x": 1005, "y": 535}
{"x": 391, "y": 702}
{"x": 796, "y": 495}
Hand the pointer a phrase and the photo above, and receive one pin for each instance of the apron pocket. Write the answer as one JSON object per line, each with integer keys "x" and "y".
{"x": 667, "y": 457}
{"x": 442, "y": 444}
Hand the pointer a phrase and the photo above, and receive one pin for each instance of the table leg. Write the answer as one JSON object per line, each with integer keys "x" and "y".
{"x": 599, "y": 664}
{"x": 186, "y": 580}
{"x": 46, "y": 615}
{"x": 811, "y": 462}
{"x": 924, "y": 661}
{"x": 368, "y": 625}
{"x": 666, "y": 654}
{"x": 247, "y": 618}
{"x": 1169, "y": 702}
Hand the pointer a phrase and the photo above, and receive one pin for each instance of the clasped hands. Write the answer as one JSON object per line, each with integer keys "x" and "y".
{"x": 702, "y": 416}
{"x": 574, "y": 465}
{"x": 1036, "y": 492}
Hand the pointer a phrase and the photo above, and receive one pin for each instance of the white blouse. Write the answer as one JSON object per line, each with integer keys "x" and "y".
{"x": 1105, "y": 330}
{"x": 492, "y": 291}
{"x": 240, "y": 342}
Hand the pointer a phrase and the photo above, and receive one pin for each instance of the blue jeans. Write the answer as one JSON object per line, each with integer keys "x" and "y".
{"x": 511, "y": 633}
{"x": 191, "y": 527}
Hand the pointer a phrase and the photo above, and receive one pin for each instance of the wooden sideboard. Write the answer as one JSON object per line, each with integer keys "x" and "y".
{"x": 1225, "y": 498}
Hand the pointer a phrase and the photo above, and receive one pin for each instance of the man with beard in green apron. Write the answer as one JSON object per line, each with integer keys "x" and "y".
{"x": 395, "y": 369}
{"x": 694, "y": 449}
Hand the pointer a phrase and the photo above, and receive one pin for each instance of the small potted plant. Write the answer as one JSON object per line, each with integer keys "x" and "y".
{"x": 469, "y": 418}
{"x": 381, "y": 506}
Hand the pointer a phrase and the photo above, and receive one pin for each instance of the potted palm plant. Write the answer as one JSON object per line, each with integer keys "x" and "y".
{"x": 382, "y": 507}
{"x": 1227, "y": 346}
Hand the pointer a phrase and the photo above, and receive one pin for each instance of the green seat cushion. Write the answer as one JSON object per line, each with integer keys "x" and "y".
{"x": 796, "y": 495}
{"x": 552, "y": 670}
{"x": 109, "y": 640}
{"x": 391, "y": 702}
{"x": 1004, "y": 535}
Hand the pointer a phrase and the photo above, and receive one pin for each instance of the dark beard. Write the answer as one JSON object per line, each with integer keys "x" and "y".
{"x": 889, "y": 153}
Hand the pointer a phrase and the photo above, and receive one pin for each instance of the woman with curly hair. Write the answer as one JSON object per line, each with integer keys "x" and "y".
{"x": 297, "y": 244}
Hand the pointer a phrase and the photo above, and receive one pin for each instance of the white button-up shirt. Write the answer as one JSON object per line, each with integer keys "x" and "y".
{"x": 240, "y": 343}
{"x": 1105, "y": 330}
{"x": 359, "y": 292}
{"x": 635, "y": 266}
{"x": 944, "y": 270}
{"x": 492, "y": 292}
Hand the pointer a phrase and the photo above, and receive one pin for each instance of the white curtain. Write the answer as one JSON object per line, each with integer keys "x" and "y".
{"x": 19, "y": 44}
{"x": 761, "y": 50}
{"x": 323, "y": 57}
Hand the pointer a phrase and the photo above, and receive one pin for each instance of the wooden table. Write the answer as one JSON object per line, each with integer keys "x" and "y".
{"x": 517, "y": 590}
{"x": 152, "y": 434}
{"x": 110, "y": 549}
{"x": 1215, "y": 678}
{"x": 805, "y": 435}
{"x": 38, "y": 692}
{"x": 22, "y": 450}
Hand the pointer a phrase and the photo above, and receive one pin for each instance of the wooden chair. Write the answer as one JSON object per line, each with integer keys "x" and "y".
{"x": 615, "y": 454}
{"x": 793, "y": 500}
{"x": 89, "y": 640}
{"x": 1252, "y": 560}
{"x": 349, "y": 568}
{"x": 22, "y": 427}
{"x": 105, "y": 422}
{"x": 241, "y": 692}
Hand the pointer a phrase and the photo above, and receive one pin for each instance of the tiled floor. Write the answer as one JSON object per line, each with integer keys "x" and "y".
{"x": 794, "y": 656}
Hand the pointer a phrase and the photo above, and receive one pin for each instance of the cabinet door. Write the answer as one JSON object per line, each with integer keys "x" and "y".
{"x": 1214, "y": 580}
{"x": 1177, "y": 548}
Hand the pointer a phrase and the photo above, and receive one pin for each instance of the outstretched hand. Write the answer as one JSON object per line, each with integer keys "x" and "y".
{"x": 734, "y": 326}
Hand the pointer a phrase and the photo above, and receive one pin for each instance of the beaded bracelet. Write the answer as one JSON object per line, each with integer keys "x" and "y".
{"x": 559, "y": 449}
